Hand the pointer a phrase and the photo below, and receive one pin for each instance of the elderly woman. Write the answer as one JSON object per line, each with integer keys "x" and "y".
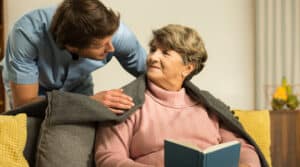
{"x": 177, "y": 53}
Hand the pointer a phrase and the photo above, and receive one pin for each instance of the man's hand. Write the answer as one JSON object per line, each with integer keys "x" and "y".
{"x": 115, "y": 100}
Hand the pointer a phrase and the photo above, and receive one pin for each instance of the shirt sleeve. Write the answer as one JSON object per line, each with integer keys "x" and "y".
{"x": 248, "y": 154}
{"x": 128, "y": 51}
{"x": 112, "y": 145}
{"x": 21, "y": 53}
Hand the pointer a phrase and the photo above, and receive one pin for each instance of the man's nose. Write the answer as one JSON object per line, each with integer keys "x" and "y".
{"x": 110, "y": 47}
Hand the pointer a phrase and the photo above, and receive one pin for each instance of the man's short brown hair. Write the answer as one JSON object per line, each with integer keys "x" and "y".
{"x": 78, "y": 22}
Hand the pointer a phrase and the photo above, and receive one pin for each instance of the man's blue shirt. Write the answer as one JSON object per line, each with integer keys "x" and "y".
{"x": 32, "y": 56}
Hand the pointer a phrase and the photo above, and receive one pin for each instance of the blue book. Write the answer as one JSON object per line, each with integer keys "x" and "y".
{"x": 184, "y": 155}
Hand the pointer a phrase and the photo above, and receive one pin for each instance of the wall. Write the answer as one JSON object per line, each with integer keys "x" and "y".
{"x": 227, "y": 27}
{"x": 277, "y": 48}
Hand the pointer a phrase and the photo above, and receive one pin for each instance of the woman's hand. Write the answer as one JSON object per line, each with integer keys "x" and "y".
{"x": 116, "y": 100}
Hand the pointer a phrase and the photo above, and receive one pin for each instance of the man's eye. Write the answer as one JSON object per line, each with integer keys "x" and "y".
{"x": 152, "y": 50}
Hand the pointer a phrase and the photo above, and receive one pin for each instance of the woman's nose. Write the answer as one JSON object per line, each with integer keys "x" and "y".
{"x": 155, "y": 55}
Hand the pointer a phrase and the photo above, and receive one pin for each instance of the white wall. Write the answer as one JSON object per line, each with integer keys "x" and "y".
{"x": 227, "y": 27}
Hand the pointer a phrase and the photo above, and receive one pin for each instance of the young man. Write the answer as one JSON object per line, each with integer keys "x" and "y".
{"x": 59, "y": 47}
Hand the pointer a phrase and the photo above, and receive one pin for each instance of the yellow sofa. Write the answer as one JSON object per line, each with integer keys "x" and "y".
{"x": 257, "y": 124}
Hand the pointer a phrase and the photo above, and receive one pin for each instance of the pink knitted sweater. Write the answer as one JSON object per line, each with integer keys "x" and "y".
{"x": 139, "y": 141}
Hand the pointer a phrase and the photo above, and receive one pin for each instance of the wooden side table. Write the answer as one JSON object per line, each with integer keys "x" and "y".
{"x": 285, "y": 138}
{"x": 2, "y": 95}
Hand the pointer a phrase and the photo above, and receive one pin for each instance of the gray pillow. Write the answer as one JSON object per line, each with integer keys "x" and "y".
{"x": 65, "y": 145}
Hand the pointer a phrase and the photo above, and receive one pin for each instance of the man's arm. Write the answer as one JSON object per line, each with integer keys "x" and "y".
{"x": 114, "y": 99}
{"x": 128, "y": 51}
{"x": 24, "y": 93}
{"x": 20, "y": 62}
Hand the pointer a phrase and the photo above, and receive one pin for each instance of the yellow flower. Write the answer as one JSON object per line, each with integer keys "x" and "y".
{"x": 280, "y": 93}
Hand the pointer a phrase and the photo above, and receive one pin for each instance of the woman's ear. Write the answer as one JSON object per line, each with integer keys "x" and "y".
{"x": 188, "y": 69}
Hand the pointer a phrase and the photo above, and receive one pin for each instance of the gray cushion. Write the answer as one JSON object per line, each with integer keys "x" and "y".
{"x": 66, "y": 145}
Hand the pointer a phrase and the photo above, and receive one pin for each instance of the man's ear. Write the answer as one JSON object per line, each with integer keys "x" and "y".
{"x": 188, "y": 69}
{"x": 71, "y": 49}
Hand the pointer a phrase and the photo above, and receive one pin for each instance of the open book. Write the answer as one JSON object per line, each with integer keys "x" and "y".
{"x": 185, "y": 155}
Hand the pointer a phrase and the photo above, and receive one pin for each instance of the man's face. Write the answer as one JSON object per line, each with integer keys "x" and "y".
{"x": 98, "y": 50}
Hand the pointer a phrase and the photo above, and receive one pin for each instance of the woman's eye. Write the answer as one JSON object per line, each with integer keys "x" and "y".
{"x": 165, "y": 52}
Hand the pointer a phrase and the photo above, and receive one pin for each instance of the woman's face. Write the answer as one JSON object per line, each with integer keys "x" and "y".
{"x": 166, "y": 69}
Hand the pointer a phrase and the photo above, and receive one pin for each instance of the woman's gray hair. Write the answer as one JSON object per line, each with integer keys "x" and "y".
{"x": 185, "y": 41}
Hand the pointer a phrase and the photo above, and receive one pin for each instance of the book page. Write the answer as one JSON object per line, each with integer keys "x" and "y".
{"x": 185, "y": 144}
{"x": 207, "y": 150}
{"x": 220, "y": 146}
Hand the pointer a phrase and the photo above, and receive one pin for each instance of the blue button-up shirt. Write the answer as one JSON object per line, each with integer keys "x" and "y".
{"x": 33, "y": 56}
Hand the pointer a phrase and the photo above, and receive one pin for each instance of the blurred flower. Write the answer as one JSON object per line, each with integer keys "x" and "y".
{"x": 280, "y": 93}
{"x": 283, "y": 97}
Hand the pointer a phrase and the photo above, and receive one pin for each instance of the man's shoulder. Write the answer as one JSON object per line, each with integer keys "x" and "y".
{"x": 41, "y": 12}
{"x": 125, "y": 41}
{"x": 36, "y": 19}
{"x": 124, "y": 33}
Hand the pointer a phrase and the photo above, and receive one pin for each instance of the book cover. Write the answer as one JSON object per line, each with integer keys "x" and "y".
{"x": 185, "y": 155}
